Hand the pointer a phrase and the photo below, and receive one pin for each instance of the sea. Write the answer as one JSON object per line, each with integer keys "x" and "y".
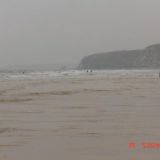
{"x": 79, "y": 114}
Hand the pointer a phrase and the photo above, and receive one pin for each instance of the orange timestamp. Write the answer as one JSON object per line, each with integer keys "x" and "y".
{"x": 151, "y": 145}
{"x": 144, "y": 145}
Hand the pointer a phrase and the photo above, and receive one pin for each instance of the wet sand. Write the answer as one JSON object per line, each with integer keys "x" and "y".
{"x": 80, "y": 118}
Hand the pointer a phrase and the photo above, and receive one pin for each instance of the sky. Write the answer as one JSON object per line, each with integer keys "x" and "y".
{"x": 64, "y": 31}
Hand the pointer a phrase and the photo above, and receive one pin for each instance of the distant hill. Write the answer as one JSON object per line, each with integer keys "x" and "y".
{"x": 148, "y": 58}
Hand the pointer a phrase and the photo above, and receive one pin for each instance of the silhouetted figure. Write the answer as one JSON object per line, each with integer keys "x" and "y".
{"x": 89, "y": 71}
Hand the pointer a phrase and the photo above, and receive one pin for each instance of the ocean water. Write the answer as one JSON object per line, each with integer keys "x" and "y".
{"x": 79, "y": 115}
{"x": 78, "y": 73}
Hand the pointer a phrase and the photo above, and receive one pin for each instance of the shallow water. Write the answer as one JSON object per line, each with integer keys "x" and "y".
{"x": 76, "y": 115}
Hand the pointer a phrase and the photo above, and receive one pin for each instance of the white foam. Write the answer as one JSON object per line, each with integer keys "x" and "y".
{"x": 80, "y": 73}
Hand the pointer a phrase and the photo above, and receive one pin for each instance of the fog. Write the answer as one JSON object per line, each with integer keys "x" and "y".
{"x": 63, "y": 31}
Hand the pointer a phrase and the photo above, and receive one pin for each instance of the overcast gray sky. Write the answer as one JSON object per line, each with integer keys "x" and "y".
{"x": 57, "y": 31}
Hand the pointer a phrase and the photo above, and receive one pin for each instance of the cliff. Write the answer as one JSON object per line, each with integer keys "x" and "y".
{"x": 148, "y": 58}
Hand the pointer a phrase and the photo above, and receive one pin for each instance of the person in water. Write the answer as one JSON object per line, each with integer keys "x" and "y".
{"x": 89, "y": 71}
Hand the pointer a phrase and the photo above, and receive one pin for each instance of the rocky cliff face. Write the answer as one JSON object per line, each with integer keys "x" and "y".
{"x": 148, "y": 58}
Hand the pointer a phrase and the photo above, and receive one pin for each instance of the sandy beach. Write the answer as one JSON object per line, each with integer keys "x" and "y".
{"x": 80, "y": 117}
